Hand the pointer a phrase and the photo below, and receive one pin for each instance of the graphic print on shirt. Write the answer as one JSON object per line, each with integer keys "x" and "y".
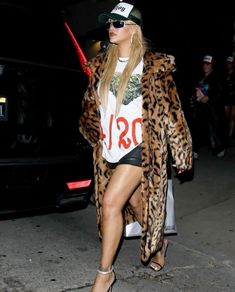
{"x": 122, "y": 132}
{"x": 133, "y": 89}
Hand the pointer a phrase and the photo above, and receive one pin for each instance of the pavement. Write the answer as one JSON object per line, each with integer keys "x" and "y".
{"x": 201, "y": 257}
{"x": 59, "y": 252}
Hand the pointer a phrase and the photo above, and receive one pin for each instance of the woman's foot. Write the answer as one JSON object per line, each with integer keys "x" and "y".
{"x": 104, "y": 281}
{"x": 158, "y": 261}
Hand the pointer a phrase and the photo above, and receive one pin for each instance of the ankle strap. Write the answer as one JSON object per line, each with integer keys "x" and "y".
{"x": 105, "y": 272}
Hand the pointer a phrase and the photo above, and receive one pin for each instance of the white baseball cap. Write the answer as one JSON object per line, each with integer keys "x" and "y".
{"x": 208, "y": 59}
{"x": 122, "y": 11}
{"x": 230, "y": 59}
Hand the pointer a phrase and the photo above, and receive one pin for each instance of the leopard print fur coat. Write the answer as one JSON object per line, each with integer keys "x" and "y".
{"x": 163, "y": 125}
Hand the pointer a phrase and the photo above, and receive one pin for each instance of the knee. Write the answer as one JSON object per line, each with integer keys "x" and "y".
{"x": 109, "y": 207}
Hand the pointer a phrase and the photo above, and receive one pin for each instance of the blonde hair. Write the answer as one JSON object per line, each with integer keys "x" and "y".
{"x": 138, "y": 48}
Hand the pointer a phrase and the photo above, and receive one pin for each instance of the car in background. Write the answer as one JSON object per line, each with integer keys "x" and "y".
{"x": 44, "y": 160}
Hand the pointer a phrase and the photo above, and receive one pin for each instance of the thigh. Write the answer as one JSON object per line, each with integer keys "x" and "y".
{"x": 124, "y": 181}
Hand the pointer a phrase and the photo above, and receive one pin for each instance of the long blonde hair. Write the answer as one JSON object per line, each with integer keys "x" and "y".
{"x": 138, "y": 48}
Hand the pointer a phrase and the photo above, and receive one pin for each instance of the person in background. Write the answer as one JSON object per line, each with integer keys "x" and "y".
{"x": 131, "y": 113}
{"x": 229, "y": 95}
{"x": 209, "y": 120}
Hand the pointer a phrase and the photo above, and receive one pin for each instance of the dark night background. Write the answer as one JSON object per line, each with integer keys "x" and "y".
{"x": 191, "y": 30}
{"x": 187, "y": 30}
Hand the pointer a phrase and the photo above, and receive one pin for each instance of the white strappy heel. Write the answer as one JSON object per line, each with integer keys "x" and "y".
{"x": 107, "y": 272}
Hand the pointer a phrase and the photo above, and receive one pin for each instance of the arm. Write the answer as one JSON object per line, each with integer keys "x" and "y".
{"x": 176, "y": 127}
{"x": 89, "y": 122}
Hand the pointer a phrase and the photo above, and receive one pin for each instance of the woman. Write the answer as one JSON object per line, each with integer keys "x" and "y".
{"x": 131, "y": 111}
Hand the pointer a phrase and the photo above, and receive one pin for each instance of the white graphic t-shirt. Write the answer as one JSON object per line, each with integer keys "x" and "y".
{"x": 122, "y": 133}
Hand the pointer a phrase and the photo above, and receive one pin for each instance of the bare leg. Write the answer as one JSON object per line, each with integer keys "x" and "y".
{"x": 136, "y": 204}
{"x": 158, "y": 259}
{"x": 123, "y": 183}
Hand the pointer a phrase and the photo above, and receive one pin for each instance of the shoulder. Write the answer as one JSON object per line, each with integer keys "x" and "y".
{"x": 160, "y": 62}
{"x": 158, "y": 56}
{"x": 96, "y": 61}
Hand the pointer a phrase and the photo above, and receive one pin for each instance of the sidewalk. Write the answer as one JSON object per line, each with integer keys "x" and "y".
{"x": 201, "y": 257}
{"x": 59, "y": 252}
